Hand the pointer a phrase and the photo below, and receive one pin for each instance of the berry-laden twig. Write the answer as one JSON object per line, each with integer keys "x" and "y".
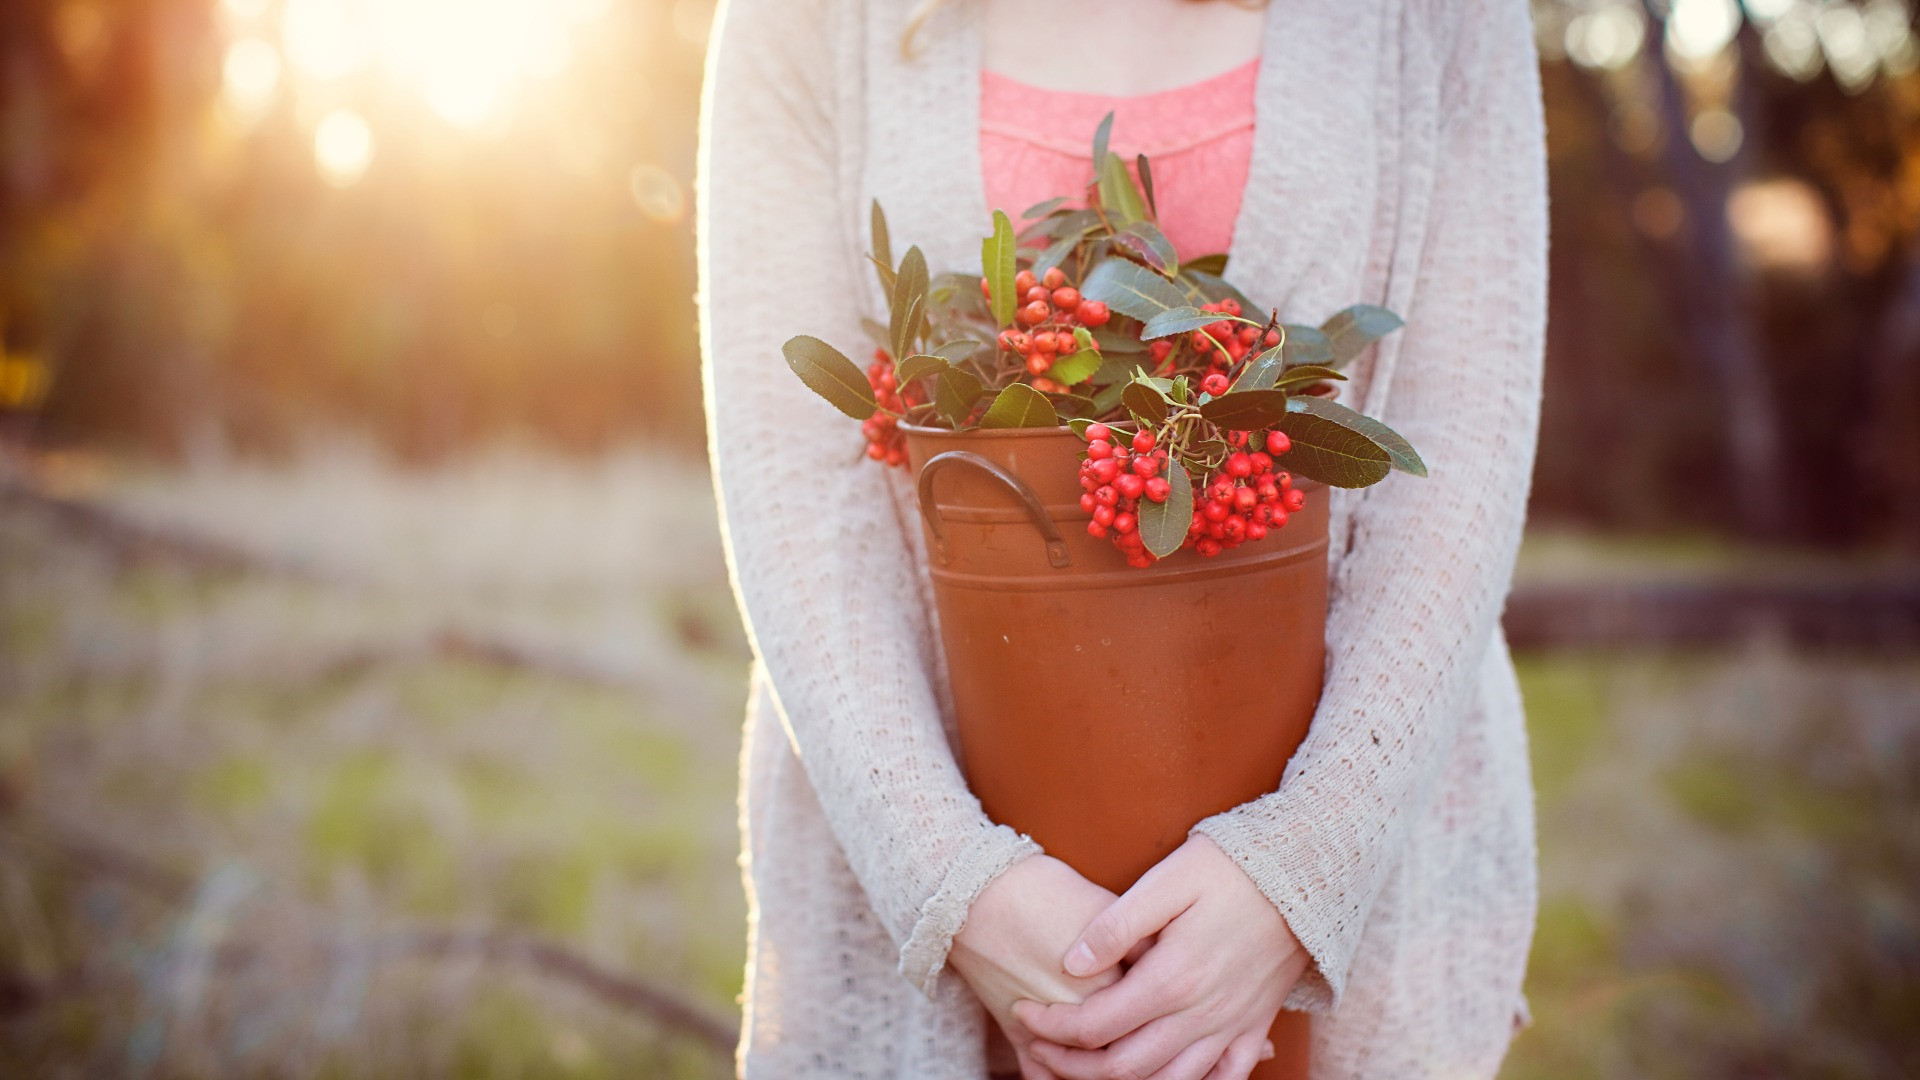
{"x": 1244, "y": 499}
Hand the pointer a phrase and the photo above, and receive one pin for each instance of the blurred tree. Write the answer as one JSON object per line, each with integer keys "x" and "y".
{"x": 179, "y": 233}
{"x": 223, "y": 223}
{"x": 1736, "y": 208}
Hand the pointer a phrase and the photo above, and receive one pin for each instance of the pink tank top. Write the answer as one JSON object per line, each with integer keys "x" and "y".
{"x": 1036, "y": 144}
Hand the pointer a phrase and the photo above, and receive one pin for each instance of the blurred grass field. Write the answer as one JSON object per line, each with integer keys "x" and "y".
{"x": 248, "y": 817}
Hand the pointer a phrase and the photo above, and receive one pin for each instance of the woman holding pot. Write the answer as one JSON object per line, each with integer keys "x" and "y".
{"x": 1388, "y": 150}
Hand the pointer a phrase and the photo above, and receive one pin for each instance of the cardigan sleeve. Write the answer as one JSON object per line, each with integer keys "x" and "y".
{"x": 818, "y": 558}
{"x": 1416, "y": 601}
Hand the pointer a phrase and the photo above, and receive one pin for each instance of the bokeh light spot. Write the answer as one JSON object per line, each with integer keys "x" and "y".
{"x": 1606, "y": 38}
{"x": 342, "y": 147}
{"x": 1765, "y": 11}
{"x": 657, "y": 193}
{"x": 250, "y": 77}
{"x": 1843, "y": 36}
{"x": 1793, "y": 47}
{"x": 80, "y": 30}
{"x": 1890, "y": 30}
{"x": 1781, "y": 225}
{"x": 323, "y": 38}
{"x": 1717, "y": 134}
{"x": 1698, "y": 29}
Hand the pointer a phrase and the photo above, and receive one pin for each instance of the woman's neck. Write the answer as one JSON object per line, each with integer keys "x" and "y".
{"x": 1120, "y": 48}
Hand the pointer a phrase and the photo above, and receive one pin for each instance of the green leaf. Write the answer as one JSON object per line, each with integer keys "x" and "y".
{"x": 884, "y": 272}
{"x": 878, "y": 334}
{"x": 1328, "y": 450}
{"x": 1262, "y": 371}
{"x": 1057, "y": 252}
{"x": 1306, "y": 345}
{"x": 908, "y": 302}
{"x": 1118, "y": 195}
{"x": 954, "y": 394}
{"x": 828, "y": 372}
{"x": 1114, "y": 341}
{"x": 1079, "y": 222}
{"x": 996, "y": 265}
{"x": 956, "y": 352}
{"x": 1212, "y": 265}
{"x": 1180, "y": 320}
{"x": 1163, "y": 525}
{"x": 1145, "y": 401}
{"x": 1108, "y": 398}
{"x": 882, "y": 249}
{"x": 1114, "y": 368}
{"x": 1145, "y": 170}
{"x": 1075, "y": 367}
{"x": 1100, "y": 136}
{"x": 1144, "y": 239}
{"x": 1079, "y": 425}
{"x": 1306, "y": 373}
{"x": 1020, "y": 406}
{"x": 1074, "y": 405}
{"x": 957, "y": 297}
{"x": 882, "y": 244}
{"x": 1207, "y": 454}
{"x": 1213, "y": 288}
{"x": 1082, "y": 338}
{"x": 1246, "y": 410}
{"x": 1351, "y": 331}
{"x": 906, "y": 323}
{"x": 917, "y": 365}
{"x": 1042, "y": 209}
{"x": 1131, "y": 289}
{"x": 1399, "y": 452}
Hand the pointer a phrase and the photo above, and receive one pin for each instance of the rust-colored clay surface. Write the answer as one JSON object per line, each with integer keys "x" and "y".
{"x": 1104, "y": 709}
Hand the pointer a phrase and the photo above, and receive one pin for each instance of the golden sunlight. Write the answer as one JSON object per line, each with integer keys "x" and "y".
{"x": 342, "y": 147}
{"x": 463, "y": 58}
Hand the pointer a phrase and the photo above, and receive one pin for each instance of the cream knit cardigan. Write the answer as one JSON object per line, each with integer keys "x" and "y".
{"x": 1398, "y": 159}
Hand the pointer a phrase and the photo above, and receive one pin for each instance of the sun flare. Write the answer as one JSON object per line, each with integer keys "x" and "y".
{"x": 463, "y": 58}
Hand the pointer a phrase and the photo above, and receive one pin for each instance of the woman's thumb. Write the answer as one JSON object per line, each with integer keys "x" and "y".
{"x": 1138, "y": 915}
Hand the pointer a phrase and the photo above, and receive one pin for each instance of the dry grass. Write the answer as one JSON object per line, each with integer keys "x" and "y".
{"x": 289, "y": 779}
{"x": 503, "y": 698}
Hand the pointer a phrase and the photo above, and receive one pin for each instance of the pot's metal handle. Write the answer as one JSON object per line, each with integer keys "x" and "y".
{"x": 1056, "y": 545}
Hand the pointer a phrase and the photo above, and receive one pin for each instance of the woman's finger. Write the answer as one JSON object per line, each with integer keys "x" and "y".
{"x": 1153, "y": 902}
{"x": 1145, "y": 1052}
{"x": 1140, "y": 948}
{"x": 1148, "y": 991}
{"x": 1030, "y": 1067}
{"x": 1196, "y": 1062}
{"x": 1105, "y": 1016}
{"x": 1242, "y": 1055}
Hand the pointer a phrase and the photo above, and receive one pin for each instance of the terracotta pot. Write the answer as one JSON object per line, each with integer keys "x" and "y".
{"x": 1105, "y": 709}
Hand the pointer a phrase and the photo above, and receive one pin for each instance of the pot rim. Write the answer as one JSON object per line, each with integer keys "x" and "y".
{"x": 1027, "y": 432}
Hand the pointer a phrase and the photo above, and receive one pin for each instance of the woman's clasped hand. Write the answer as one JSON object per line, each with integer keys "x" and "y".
{"x": 1179, "y": 979}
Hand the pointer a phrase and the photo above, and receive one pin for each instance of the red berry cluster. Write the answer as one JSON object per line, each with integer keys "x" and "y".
{"x": 1202, "y": 348}
{"x": 1049, "y": 310}
{"x": 1247, "y": 498}
{"x": 885, "y": 443}
{"x": 1115, "y": 478}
